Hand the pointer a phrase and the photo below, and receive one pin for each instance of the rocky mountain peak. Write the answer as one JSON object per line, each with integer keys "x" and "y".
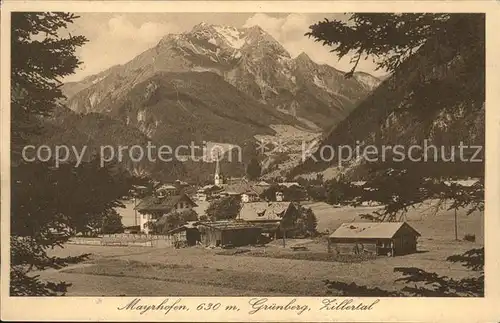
{"x": 218, "y": 35}
{"x": 304, "y": 58}
{"x": 251, "y": 60}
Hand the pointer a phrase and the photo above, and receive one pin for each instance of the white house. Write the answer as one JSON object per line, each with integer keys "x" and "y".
{"x": 153, "y": 208}
{"x": 249, "y": 197}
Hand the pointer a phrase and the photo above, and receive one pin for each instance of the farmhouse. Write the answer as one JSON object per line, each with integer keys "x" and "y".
{"x": 262, "y": 212}
{"x": 378, "y": 238}
{"x": 154, "y": 207}
{"x": 288, "y": 191}
{"x": 249, "y": 197}
{"x": 247, "y": 191}
{"x": 167, "y": 190}
{"x": 271, "y": 217}
{"x": 228, "y": 233}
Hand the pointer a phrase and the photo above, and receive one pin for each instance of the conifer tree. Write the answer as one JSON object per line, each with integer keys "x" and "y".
{"x": 49, "y": 204}
{"x": 393, "y": 40}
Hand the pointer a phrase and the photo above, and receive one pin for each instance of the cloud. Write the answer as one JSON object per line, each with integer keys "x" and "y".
{"x": 289, "y": 31}
{"x": 289, "y": 28}
{"x": 116, "y": 41}
{"x": 148, "y": 32}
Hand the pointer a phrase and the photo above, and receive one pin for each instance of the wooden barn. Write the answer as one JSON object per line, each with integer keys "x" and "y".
{"x": 376, "y": 238}
{"x": 228, "y": 233}
{"x": 186, "y": 235}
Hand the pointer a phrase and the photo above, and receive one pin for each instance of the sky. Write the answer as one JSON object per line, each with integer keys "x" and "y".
{"x": 116, "y": 38}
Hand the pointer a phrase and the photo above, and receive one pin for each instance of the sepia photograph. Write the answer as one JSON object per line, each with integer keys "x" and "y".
{"x": 338, "y": 155}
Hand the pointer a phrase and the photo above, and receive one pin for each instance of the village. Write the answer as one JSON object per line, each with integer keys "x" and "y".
{"x": 260, "y": 213}
{"x": 238, "y": 237}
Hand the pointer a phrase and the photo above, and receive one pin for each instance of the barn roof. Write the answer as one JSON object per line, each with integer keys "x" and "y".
{"x": 268, "y": 226}
{"x": 256, "y": 211}
{"x": 161, "y": 204}
{"x": 380, "y": 230}
{"x": 228, "y": 225}
{"x": 188, "y": 225}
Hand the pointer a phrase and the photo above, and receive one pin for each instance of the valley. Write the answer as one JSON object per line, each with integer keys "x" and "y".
{"x": 221, "y": 84}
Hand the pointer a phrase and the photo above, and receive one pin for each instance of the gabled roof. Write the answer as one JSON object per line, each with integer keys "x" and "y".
{"x": 188, "y": 225}
{"x": 259, "y": 211}
{"x": 380, "y": 230}
{"x": 243, "y": 187}
{"x": 162, "y": 204}
{"x": 289, "y": 184}
{"x": 167, "y": 187}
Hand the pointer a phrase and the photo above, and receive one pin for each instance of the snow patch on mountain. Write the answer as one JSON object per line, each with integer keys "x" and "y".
{"x": 368, "y": 81}
{"x": 319, "y": 83}
{"x": 237, "y": 54}
{"x": 231, "y": 35}
{"x": 99, "y": 79}
{"x": 205, "y": 69}
{"x": 94, "y": 99}
{"x": 141, "y": 116}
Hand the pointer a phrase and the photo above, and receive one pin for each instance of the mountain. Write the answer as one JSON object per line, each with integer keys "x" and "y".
{"x": 317, "y": 96}
{"x": 89, "y": 133}
{"x": 177, "y": 108}
{"x": 215, "y": 84}
{"x": 370, "y": 82}
{"x": 437, "y": 96}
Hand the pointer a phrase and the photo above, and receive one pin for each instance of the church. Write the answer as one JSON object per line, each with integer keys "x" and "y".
{"x": 218, "y": 177}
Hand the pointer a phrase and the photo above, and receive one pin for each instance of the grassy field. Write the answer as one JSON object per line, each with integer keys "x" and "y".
{"x": 269, "y": 270}
{"x": 433, "y": 226}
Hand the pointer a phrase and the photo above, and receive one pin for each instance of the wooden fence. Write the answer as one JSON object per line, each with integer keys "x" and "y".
{"x": 126, "y": 239}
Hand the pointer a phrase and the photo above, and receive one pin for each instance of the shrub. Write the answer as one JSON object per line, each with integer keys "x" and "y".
{"x": 112, "y": 223}
{"x": 226, "y": 208}
{"x": 470, "y": 237}
{"x": 173, "y": 220}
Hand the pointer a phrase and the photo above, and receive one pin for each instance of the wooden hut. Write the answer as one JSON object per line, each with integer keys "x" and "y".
{"x": 228, "y": 233}
{"x": 377, "y": 238}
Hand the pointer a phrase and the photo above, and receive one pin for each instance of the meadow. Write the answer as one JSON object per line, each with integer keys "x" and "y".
{"x": 269, "y": 270}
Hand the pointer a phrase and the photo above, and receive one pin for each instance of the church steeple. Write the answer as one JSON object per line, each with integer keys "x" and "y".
{"x": 217, "y": 175}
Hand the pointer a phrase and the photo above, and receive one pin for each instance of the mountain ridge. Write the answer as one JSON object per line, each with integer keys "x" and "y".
{"x": 248, "y": 58}
{"x": 436, "y": 95}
